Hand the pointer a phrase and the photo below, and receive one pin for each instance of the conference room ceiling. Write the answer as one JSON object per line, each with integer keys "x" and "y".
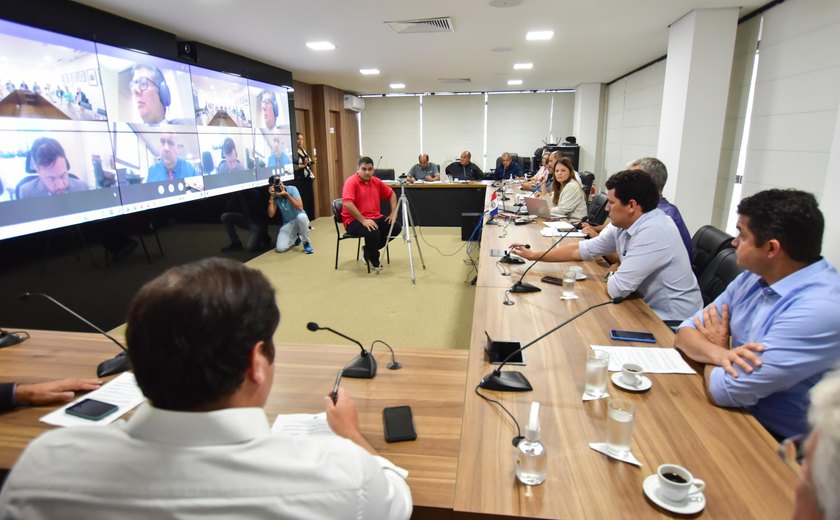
{"x": 594, "y": 40}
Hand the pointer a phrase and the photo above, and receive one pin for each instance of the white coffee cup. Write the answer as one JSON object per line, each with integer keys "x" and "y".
{"x": 578, "y": 270}
{"x": 676, "y": 482}
{"x": 632, "y": 374}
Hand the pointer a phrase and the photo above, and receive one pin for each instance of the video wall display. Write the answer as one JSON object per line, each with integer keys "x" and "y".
{"x": 90, "y": 131}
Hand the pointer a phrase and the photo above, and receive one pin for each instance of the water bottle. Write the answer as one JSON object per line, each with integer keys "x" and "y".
{"x": 530, "y": 453}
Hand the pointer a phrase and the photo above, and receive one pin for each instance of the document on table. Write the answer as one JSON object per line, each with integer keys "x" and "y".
{"x": 550, "y": 232}
{"x": 302, "y": 424}
{"x": 558, "y": 224}
{"x": 121, "y": 391}
{"x": 653, "y": 360}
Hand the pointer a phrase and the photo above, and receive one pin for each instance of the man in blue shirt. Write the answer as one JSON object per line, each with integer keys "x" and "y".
{"x": 295, "y": 222}
{"x": 775, "y": 330}
{"x": 507, "y": 169}
{"x": 170, "y": 166}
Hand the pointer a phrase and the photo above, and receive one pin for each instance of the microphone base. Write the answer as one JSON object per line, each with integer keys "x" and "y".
{"x": 507, "y": 259}
{"x": 115, "y": 365}
{"x": 521, "y": 287}
{"x": 506, "y": 382}
{"x": 362, "y": 366}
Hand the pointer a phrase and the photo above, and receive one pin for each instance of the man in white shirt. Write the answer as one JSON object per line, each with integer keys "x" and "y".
{"x": 200, "y": 341}
{"x": 653, "y": 260}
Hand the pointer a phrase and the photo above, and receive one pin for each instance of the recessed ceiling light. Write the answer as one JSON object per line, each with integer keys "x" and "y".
{"x": 514, "y": 82}
{"x": 523, "y": 66}
{"x": 539, "y": 35}
{"x": 320, "y": 46}
{"x": 369, "y": 72}
{"x": 397, "y": 85}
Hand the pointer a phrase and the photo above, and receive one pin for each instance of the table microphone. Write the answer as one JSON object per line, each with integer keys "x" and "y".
{"x": 507, "y": 259}
{"x": 523, "y": 287}
{"x": 515, "y": 381}
{"x": 115, "y": 365}
{"x": 362, "y": 366}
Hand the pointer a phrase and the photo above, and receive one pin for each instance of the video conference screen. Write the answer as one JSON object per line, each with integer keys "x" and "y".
{"x": 89, "y": 131}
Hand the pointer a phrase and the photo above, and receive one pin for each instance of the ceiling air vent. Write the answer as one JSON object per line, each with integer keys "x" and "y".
{"x": 455, "y": 81}
{"x": 425, "y": 25}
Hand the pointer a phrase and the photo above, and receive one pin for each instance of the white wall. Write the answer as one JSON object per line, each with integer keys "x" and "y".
{"x": 520, "y": 123}
{"x": 391, "y": 129}
{"x": 634, "y": 105}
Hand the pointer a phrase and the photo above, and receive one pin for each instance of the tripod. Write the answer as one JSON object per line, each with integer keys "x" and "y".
{"x": 407, "y": 222}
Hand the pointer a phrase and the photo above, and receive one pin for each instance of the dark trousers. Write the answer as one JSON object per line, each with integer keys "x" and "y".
{"x": 374, "y": 239}
{"x": 307, "y": 195}
{"x": 258, "y": 231}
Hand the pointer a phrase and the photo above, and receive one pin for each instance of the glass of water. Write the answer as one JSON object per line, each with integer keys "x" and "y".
{"x": 597, "y": 365}
{"x": 569, "y": 278}
{"x": 621, "y": 414}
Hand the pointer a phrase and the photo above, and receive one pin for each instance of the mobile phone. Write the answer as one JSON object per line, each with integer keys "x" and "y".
{"x": 399, "y": 424}
{"x": 632, "y": 335}
{"x": 91, "y": 409}
{"x": 334, "y": 393}
{"x": 552, "y": 280}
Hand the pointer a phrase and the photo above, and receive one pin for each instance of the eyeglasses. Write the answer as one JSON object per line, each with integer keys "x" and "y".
{"x": 141, "y": 83}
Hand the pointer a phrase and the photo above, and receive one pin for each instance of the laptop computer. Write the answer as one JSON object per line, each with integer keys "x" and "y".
{"x": 538, "y": 207}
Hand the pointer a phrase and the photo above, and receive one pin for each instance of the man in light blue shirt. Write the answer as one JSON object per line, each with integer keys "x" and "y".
{"x": 775, "y": 330}
{"x": 170, "y": 166}
{"x": 295, "y": 222}
{"x": 653, "y": 260}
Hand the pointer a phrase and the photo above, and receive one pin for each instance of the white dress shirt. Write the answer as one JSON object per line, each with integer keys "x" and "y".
{"x": 220, "y": 464}
{"x": 654, "y": 264}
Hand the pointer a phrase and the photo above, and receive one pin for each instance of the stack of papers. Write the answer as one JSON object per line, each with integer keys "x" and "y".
{"x": 653, "y": 360}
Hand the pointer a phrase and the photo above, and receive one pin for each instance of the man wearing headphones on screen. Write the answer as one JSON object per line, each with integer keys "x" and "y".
{"x": 270, "y": 109}
{"x": 150, "y": 92}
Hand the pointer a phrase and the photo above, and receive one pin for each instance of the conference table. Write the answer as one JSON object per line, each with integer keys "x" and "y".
{"x": 462, "y": 463}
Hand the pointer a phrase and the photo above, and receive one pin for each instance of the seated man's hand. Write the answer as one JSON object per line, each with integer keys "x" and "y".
{"x": 524, "y": 252}
{"x": 390, "y": 218}
{"x": 744, "y": 356}
{"x": 370, "y": 224}
{"x": 588, "y": 230}
{"x": 714, "y": 327}
{"x": 62, "y": 391}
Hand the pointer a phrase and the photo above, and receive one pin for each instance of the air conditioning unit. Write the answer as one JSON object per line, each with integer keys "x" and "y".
{"x": 354, "y": 103}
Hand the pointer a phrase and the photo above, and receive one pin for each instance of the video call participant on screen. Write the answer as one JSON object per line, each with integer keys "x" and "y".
{"x": 295, "y": 225}
{"x": 775, "y": 330}
{"x": 13, "y": 395}
{"x": 231, "y": 162}
{"x": 464, "y": 169}
{"x": 424, "y": 170}
{"x": 270, "y": 109}
{"x": 653, "y": 261}
{"x": 150, "y": 92}
{"x": 50, "y": 162}
{"x": 362, "y": 214}
{"x": 200, "y": 338}
{"x": 170, "y": 166}
{"x": 278, "y": 157}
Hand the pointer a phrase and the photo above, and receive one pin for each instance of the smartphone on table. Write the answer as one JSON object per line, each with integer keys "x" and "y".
{"x": 632, "y": 335}
{"x": 91, "y": 409}
{"x": 399, "y": 424}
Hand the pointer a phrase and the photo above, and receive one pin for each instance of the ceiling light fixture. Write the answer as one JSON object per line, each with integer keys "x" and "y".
{"x": 513, "y": 82}
{"x": 523, "y": 66}
{"x": 539, "y": 35}
{"x": 397, "y": 85}
{"x": 320, "y": 46}
{"x": 369, "y": 72}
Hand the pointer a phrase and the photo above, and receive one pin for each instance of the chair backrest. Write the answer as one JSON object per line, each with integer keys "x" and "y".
{"x": 207, "y": 162}
{"x": 385, "y": 174}
{"x": 707, "y": 242}
{"x": 597, "y": 211}
{"x": 718, "y": 274}
{"x": 586, "y": 181}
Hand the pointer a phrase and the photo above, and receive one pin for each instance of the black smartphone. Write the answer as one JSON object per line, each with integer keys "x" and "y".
{"x": 399, "y": 424}
{"x": 632, "y": 335}
{"x": 334, "y": 393}
{"x": 91, "y": 409}
{"x": 552, "y": 280}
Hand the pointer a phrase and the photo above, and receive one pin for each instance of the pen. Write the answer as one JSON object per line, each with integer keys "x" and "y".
{"x": 334, "y": 393}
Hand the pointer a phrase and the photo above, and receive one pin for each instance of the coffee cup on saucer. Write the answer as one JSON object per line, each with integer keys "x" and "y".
{"x": 577, "y": 270}
{"x": 676, "y": 483}
{"x": 632, "y": 374}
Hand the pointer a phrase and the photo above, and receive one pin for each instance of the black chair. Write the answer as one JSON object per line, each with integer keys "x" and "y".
{"x": 385, "y": 174}
{"x": 337, "y": 206}
{"x": 707, "y": 242}
{"x": 586, "y": 181}
{"x": 207, "y": 163}
{"x": 718, "y": 274}
{"x": 102, "y": 180}
{"x": 597, "y": 210}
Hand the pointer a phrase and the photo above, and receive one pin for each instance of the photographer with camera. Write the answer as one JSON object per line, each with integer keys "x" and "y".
{"x": 295, "y": 222}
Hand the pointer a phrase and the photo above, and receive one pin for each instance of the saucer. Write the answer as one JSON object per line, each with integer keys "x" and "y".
{"x": 581, "y": 276}
{"x": 645, "y": 384}
{"x": 692, "y": 504}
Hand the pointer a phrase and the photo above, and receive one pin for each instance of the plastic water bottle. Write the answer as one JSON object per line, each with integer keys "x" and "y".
{"x": 530, "y": 453}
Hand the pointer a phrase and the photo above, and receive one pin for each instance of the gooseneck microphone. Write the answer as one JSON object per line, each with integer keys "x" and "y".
{"x": 115, "y": 365}
{"x": 507, "y": 259}
{"x": 515, "y": 381}
{"x": 362, "y": 366}
{"x": 523, "y": 287}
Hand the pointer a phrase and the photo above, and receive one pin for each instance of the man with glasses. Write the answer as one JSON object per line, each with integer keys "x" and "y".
{"x": 362, "y": 214}
{"x": 150, "y": 92}
{"x": 170, "y": 166}
{"x": 775, "y": 330}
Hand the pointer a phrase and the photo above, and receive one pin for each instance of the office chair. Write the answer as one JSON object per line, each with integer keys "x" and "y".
{"x": 597, "y": 210}
{"x": 385, "y": 174}
{"x": 587, "y": 179}
{"x": 707, "y": 242}
{"x": 102, "y": 180}
{"x": 337, "y": 206}
{"x": 207, "y": 164}
{"x": 718, "y": 275}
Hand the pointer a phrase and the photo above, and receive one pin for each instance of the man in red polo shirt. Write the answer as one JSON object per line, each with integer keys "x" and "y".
{"x": 361, "y": 215}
